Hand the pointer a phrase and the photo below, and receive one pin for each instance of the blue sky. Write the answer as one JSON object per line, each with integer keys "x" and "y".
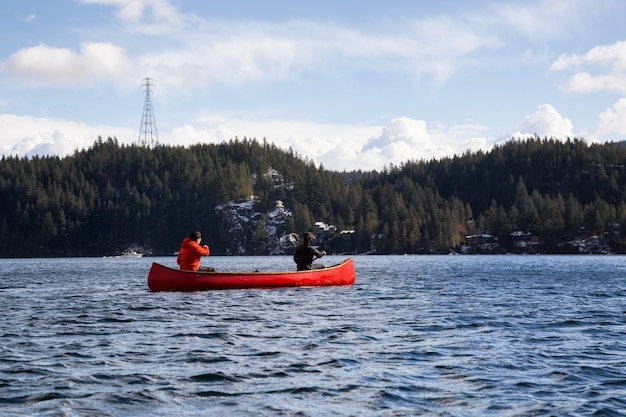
{"x": 349, "y": 84}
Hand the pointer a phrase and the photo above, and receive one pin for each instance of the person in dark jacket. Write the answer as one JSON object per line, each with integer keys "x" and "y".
{"x": 305, "y": 253}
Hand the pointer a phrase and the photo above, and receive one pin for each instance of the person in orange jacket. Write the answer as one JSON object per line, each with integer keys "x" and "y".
{"x": 190, "y": 253}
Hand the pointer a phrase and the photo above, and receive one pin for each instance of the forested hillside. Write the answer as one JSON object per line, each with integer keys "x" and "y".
{"x": 106, "y": 198}
{"x": 555, "y": 191}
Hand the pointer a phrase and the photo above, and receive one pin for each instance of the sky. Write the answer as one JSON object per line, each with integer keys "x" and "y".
{"x": 348, "y": 84}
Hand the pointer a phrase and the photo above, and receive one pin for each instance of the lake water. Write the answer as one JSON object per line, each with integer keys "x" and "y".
{"x": 416, "y": 335}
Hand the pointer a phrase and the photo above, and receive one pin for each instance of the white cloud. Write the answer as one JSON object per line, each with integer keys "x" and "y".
{"x": 542, "y": 19}
{"x": 53, "y": 143}
{"x": 152, "y": 17}
{"x": 236, "y": 53}
{"x": 337, "y": 147}
{"x": 194, "y": 53}
{"x": 602, "y": 68}
{"x": 545, "y": 122}
{"x": 402, "y": 136}
{"x": 612, "y": 123}
{"x": 45, "y": 64}
{"x": 344, "y": 147}
{"x": 405, "y": 139}
{"x": 29, "y": 136}
{"x": 230, "y": 61}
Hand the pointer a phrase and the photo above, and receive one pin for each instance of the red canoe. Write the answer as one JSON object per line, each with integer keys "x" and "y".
{"x": 163, "y": 278}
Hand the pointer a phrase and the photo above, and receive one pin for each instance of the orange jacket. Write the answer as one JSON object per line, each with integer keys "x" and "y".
{"x": 190, "y": 253}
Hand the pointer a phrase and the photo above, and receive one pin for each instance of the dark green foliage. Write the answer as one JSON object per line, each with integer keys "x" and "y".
{"x": 101, "y": 200}
{"x": 550, "y": 188}
{"x": 111, "y": 196}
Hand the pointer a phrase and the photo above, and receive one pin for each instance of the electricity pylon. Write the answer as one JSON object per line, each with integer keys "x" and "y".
{"x": 148, "y": 135}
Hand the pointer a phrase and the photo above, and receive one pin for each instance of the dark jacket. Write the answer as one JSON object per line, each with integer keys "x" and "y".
{"x": 305, "y": 253}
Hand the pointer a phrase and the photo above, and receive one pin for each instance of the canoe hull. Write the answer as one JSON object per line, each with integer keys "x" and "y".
{"x": 163, "y": 278}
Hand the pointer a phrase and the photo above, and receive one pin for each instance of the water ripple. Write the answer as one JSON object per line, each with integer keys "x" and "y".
{"x": 470, "y": 336}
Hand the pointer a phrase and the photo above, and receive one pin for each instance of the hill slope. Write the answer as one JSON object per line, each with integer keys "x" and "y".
{"x": 109, "y": 197}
